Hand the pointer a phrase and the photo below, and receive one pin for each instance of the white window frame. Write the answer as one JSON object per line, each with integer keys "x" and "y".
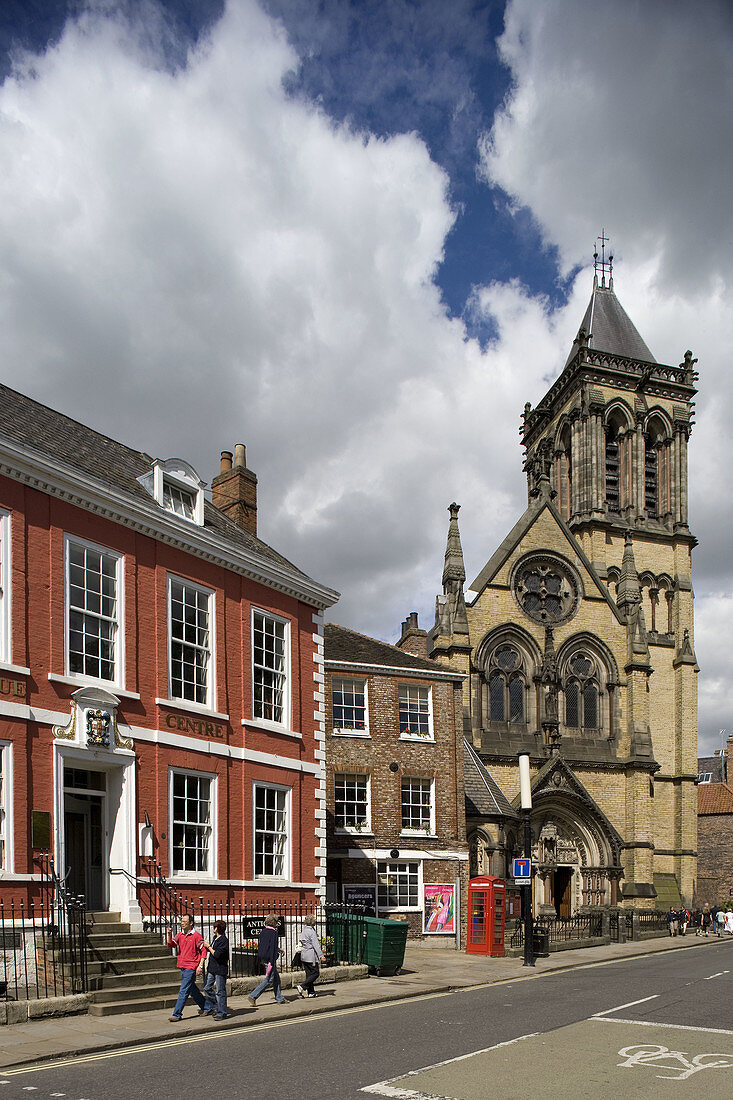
{"x": 5, "y": 577}
{"x": 424, "y": 779}
{"x": 194, "y": 704}
{"x": 178, "y": 474}
{"x": 211, "y": 873}
{"x": 705, "y": 777}
{"x": 6, "y": 808}
{"x": 412, "y": 735}
{"x": 366, "y": 827}
{"x": 347, "y": 731}
{"x": 119, "y": 647}
{"x": 389, "y": 864}
{"x": 287, "y": 812}
{"x": 270, "y": 723}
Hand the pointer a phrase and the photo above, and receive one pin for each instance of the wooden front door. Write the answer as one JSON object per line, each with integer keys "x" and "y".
{"x": 562, "y": 892}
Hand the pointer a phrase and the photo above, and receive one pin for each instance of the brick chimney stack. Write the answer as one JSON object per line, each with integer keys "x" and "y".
{"x": 234, "y": 489}
{"x": 413, "y": 640}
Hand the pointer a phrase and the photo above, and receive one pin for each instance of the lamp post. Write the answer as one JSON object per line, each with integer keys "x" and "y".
{"x": 525, "y": 795}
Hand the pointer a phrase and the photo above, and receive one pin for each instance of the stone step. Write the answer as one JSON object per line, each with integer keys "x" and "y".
{"x": 128, "y": 965}
{"x": 134, "y": 1004}
{"x": 137, "y": 978}
{"x": 107, "y": 928}
{"x": 168, "y": 991}
{"x": 126, "y": 939}
{"x": 103, "y": 917}
{"x": 135, "y": 951}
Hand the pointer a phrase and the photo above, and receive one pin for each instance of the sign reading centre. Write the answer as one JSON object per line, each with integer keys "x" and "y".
{"x": 522, "y": 872}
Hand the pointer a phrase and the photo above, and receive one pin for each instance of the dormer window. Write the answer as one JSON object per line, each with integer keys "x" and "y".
{"x": 176, "y": 486}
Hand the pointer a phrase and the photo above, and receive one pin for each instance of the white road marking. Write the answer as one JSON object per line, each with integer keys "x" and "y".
{"x": 380, "y": 1086}
{"x": 629, "y": 1004}
{"x": 656, "y": 1023}
{"x": 718, "y": 975}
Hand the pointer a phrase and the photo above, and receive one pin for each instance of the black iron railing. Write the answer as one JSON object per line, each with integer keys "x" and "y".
{"x": 43, "y": 945}
{"x": 340, "y": 928}
{"x": 583, "y": 926}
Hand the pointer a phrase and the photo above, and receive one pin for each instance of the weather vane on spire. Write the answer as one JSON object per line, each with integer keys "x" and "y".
{"x": 603, "y": 263}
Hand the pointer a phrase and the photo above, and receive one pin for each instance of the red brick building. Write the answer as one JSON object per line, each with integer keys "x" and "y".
{"x": 161, "y": 675}
{"x": 394, "y": 781}
{"x": 715, "y": 828}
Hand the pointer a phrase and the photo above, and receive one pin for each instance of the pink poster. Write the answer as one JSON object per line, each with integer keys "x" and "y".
{"x": 439, "y": 909}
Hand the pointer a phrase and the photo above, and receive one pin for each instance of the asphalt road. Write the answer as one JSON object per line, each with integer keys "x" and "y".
{"x": 656, "y": 1024}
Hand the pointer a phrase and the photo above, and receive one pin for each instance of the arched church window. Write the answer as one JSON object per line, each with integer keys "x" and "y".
{"x": 651, "y": 476}
{"x": 613, "y": 470}
{"x": 507, "y": 685}
{"x": 582, "y": 693}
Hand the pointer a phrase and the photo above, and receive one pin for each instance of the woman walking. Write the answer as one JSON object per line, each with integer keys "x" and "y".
{"x": 310, "y": 954}
{"x": 216, "y": 973}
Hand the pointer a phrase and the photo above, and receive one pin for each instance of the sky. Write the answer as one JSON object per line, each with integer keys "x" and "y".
{"x": 357, "y": 236}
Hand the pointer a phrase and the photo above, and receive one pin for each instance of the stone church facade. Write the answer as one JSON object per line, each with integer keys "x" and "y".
{"x": 576, "y": 638}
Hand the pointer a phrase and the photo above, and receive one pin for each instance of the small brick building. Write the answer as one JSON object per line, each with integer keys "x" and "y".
{"x": 160, "y": 676}
{"x": 396, "y": 827}
{"x": 715, "y": 829}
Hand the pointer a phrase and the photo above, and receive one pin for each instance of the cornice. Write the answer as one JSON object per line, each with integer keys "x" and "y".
{"x": 63, "y": 482}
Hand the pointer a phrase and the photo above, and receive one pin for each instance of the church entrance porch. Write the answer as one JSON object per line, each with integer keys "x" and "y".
{"x": 561, "y": 887}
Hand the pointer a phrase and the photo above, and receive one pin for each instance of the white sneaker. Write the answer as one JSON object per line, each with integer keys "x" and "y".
{"x": 301, "y": 991}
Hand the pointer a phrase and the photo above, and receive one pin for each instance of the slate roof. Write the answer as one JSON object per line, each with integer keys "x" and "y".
{"x": 611, "y": 329}
{"x": 714, "y": 765}
{"x": 343, "y": 644}
{"x": 69, "y": 443}
{"x": 714, "y": 798}
{"x": 484, "y": 797}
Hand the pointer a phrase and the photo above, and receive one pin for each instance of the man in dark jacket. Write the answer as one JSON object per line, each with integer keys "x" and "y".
{"x": 217, "y": 969}
{"x": 268, "y": 952}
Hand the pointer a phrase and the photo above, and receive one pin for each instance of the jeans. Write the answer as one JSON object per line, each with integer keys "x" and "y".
{"x": 188, "y": 989}
{"x": 272, "y": 978}
{"x": 220, "y": 999}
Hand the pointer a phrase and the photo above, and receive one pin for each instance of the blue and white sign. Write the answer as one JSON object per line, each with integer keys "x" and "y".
{"x": 522, "y": 872}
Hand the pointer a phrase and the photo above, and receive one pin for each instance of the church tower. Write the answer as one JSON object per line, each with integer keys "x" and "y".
{"x": 577, "y": 635}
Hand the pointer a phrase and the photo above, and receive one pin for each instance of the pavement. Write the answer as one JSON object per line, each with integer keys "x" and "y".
{"x": 426, "y": 970}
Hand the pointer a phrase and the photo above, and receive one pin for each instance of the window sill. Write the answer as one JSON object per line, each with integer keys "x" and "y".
{"x": 271, "y": 727}
{"x": 191, "y": 877}
{"x": 364, "y": 834}
{"x": 17, "y": 670}
{"x": 89, "y": 681}
{"x": 338, "y": 731}
{"x": 418, "y": 834}
{"x": 190, "y": 706}
{"x": 418, "y": 738}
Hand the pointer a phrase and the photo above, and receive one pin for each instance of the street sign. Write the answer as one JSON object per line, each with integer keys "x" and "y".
{"x": 522, "y": 872}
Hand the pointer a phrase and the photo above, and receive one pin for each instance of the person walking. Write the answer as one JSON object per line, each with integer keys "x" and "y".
{"x": 672, "y": 922}
{"x": 714, "y": 917}
{"x": 189, "y": 947}
{"x": 310, "y": 955}
{"x": 706, "y": 920}
{"x": 684, "y": 919}
{"x": 217, "y": 968}
{"x": 269, "y": 952}
{"x": 729, "y": 920}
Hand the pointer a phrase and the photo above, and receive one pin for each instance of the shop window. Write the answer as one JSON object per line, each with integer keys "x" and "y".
{"x": 398, "y": 885}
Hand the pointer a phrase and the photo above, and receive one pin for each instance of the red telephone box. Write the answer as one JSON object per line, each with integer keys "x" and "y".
{"x": 486, "y": 904}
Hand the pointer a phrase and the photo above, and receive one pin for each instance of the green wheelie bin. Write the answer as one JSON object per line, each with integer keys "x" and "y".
{"x": 384, "y": 945}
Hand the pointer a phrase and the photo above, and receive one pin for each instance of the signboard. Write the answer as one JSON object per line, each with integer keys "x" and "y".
{"x": 252, "y": 926}
{"x": 360, "y": 894}
{"x": 522, "y": 872}
{"x": 439, "y": 909}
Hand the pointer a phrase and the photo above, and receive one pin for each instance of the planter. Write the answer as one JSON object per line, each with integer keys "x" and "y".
{"x": 245, "y": 963}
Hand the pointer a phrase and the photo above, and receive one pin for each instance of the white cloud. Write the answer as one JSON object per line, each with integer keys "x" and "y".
{"x": 189, "y": 258}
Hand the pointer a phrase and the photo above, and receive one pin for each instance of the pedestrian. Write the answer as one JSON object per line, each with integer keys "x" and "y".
{"x": 269, "y": 952}
{"x": 707, "y": 920}
{"x": 217, "y": 968}
{"x": 720, "y": 923}
{"x": 310, "y": 955}
{"x": 189, "y": 947}
{"x": 684, "y": 919}
{"x": 714, "y": 917}
{"x": 672, "y": 922}
{"x": 729, "y": 920}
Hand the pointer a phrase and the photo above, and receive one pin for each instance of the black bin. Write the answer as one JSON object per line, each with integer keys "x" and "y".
{"x": 540, "y": 943}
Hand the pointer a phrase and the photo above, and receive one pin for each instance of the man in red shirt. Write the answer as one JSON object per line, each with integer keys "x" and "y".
{"x": 189, "y": 946}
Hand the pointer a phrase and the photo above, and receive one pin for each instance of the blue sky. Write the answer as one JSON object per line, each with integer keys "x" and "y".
{"x": 358, "y": 237}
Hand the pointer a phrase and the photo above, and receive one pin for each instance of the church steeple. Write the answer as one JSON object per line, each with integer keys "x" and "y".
{"x": 451, "y": 618}
{"x": 454, "y": 571}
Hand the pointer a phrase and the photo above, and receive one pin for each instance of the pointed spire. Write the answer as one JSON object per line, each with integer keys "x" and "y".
{"x": 628, "y": 593}
{"x": 454, "y": 571}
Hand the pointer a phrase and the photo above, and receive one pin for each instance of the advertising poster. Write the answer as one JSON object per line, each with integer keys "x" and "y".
{"x": 439, "y": 909}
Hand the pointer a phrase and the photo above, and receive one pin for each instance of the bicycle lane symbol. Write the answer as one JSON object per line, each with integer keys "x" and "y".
{"x": 678, "y": 1062}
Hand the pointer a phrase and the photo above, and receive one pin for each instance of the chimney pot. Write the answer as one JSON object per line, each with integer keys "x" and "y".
{"x": 226, "y": 461}
{"x": 240, "y": 455}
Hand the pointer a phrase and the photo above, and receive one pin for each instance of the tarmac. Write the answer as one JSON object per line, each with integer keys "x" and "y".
{"x": 426, "y": 970}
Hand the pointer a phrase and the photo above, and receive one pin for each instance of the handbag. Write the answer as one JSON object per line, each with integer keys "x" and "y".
{"x": 297, "y": 962}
